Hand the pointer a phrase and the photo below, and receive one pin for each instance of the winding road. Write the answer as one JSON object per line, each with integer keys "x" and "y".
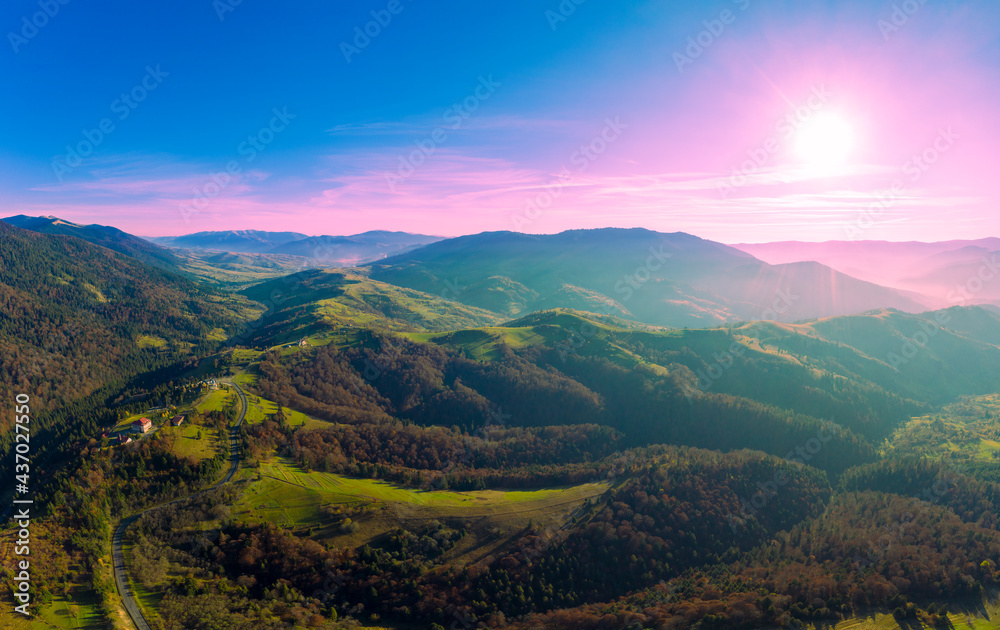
{"x": 118, "y": 556}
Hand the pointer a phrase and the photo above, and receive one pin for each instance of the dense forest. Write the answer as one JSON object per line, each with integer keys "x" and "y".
{"x": 439, "y": 457}
{"x": 685, "y": 536}
{"x": 392, "y": 378}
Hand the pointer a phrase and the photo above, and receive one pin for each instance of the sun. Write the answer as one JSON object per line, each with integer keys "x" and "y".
{"x": 825, "y": 140}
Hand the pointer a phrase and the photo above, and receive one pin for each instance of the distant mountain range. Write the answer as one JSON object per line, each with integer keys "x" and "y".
{"x": 239, "y": 241}
{"x": 334, "y": 250}
{"x": 675, "y": 280}
{"x": 662, "y": 279}
{"x": 946, "y": 273}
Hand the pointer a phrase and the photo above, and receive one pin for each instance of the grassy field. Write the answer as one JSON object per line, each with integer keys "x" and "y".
{"x": 317, "y": 502}
{"x": 215, "y": 400}
{"x": 147, "y": 341}
{"x": 242, "y": 356}
{"x": 339, "y": 488}
{"x": 81, "y": 611}
{"x": 559, "y": 329}
{"x": 186, "y": 442}
{"x": 245, "y": 379}
{"x": 344, "y": 298}
{"x": 972, "y": 615}
{"x": 259, "y": 408}
{"x": 79, "y": 608}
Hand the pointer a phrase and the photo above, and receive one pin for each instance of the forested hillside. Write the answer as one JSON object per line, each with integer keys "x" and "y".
{"x": 76, "y": 318}
{"x": 106, "y": 236}
{"x": 390, "y": 378}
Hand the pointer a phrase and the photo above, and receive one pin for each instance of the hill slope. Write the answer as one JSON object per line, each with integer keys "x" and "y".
{"x": 663, "y": 279}
{"x": 867, "y": 372}
{"x": 318, "y": 301}
{"x": 105, "y": 236}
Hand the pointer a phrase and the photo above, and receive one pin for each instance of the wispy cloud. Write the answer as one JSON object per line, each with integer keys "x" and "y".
{"x": 456, "y": 192}
{"x": 471, "y": 124}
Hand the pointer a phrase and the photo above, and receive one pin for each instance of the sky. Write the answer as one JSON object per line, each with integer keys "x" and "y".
{"x": 735, "y": 120}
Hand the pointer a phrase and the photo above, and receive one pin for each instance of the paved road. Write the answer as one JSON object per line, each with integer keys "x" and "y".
{"x": 118, "y": 557}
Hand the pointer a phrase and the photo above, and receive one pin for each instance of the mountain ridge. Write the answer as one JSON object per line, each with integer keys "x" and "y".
{"x": 103, "y": 235}
{"x": 364, "y": 246}
{"x": 675, "y": 279}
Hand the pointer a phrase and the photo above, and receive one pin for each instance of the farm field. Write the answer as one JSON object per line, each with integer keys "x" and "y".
{"x": 350, "y": 489}
{"x": 63, "y": 613}
{"x": 243, "y": 356}
{"x": 970, "y": 616}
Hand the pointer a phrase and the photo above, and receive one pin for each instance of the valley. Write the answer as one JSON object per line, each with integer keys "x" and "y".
{"x": 411, "y": 457}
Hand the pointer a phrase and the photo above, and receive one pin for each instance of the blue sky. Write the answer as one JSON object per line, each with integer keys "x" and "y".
{"x": 579, "y": 117}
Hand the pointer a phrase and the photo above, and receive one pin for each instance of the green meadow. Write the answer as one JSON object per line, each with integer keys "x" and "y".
{"x": 316, "y": 502}
{"x": 259, "y": 408}
{"x": 187, "y": 443}
{"x": 216, "y": 400}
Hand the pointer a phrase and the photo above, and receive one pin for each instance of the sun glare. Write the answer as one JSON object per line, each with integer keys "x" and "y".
{"x": 825, "y": 140}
